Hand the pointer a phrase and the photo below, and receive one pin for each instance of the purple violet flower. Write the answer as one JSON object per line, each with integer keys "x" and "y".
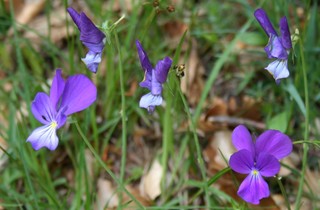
{"x": 278, "y": 47}
{"x": 257, "y": 159}
{"x": 66, "y": 97}
{"x": 91, "y": 37}
{"x": 153, "y": 79}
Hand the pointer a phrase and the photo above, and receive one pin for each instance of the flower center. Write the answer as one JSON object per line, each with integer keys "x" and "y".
{"x": 255, "y": 172}
{"x": 53, "y": 124}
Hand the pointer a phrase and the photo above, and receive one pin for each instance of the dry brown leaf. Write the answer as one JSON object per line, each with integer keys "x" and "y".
{"x": 292, "y": 161}
{"x": 150, "y": 182}
{"x": 219, "y": 147}
{"x": 17, "y": 5}
{"x": 58, "y": 29}
{"x": 174, "y": 31}
{"x": 123, "y": 6}
{"x": 106, "y": 196}
{"x": 30, "y": 9}
{"x": 192, "y": 83}
{"x": 246, "y": 107}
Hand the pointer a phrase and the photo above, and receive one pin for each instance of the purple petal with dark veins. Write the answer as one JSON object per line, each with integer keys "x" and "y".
{"x": 264, "y": 21}
{"x": 162, "y": 69}
{"x": 95, "y": 48}
{"x": 90, "y": 35}
{"x": 75, "y": 17}
{"x": 56, "y": 88}
{"x": 267, "y": 164}
{"x": 274, "y": 48}
{"x": 156, "y": 86}
{"x": 242, "y": 161}
{"x": 144, "y": 60}
{"x": 79, "y": 93}
{"x": 285, "y": 33}
{"x": 274, "y": 143}
{"x": 42, "y": 108}
{"x": 253, "y": 188}
{"x": 89, "y": 32}
{"x": 92, "y": 61}
{"x": 242, "y": 139}
{"x": 44, "y": 136}
{"x": 278, "y": 69}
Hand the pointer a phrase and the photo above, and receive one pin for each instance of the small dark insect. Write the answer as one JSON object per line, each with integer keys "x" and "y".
{"x": 179, "y": 69}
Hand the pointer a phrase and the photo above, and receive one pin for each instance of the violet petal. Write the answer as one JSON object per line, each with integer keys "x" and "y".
{"x": 144, "y": 60}
{"x": 89, "y": 32}
{"x": 156, "y": 86}
{"x": 75, "y": 17}
{"x": 92, "y": 61}
{"x": 253, "y": 188}
{"x": 274, "y": 48}
{"x": 285, "y": 33}
{"x": 274, "y": 143}
{"x": 56, "y": 88}
{"x": 90, "y": 35}
{"x": 242, "y": 139}
{"x": 264, "y": 21}
{"x": 150, "y": 100}
{"x": 267, "y": 164}
{"x": 146, "y": 82}
{"x": 162, "y": 69}
{"x": 242, "y": 161}
{"x": 79, "y": 93}
{"x": 42, "y": 108}
{"x": 278, "y": 69}
{"x": 44, "y": 136}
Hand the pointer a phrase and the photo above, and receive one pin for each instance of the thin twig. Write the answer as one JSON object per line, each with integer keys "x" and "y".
{"x": 237, "y": 121}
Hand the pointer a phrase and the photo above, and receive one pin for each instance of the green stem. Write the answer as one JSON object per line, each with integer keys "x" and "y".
{"x": 283, "y": 191}
{"x": 123, "y": 114}
{"x": 104, "y": 166}
{"x": 196, "y": 142}
{"x": 306, "y": 131}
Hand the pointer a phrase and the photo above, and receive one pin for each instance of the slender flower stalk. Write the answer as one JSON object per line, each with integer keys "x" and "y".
{"x": 66, "y": 97}
{"x": 257, "y": 159}
{"x": 278, "y": 47}
{"x": 153, "y": 79}
{"x": 91, "y": 37}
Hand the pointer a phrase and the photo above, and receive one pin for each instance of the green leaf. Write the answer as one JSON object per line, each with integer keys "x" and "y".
{"x": 279, "y": 122}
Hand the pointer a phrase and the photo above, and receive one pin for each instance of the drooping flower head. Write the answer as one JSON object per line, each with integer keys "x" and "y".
{"x": 278, "y": 46}
{"x": 91, "y": 37}
{"x": 153, "y": 79}
{"x": 66, "y": 97}
{"x": 257, "y": 159}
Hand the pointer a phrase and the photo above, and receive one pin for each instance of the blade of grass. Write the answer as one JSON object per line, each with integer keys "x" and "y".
{"x": 104, "y": 166}
{"x": 306, "y": 133}
{"x": 123, "y": 116}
